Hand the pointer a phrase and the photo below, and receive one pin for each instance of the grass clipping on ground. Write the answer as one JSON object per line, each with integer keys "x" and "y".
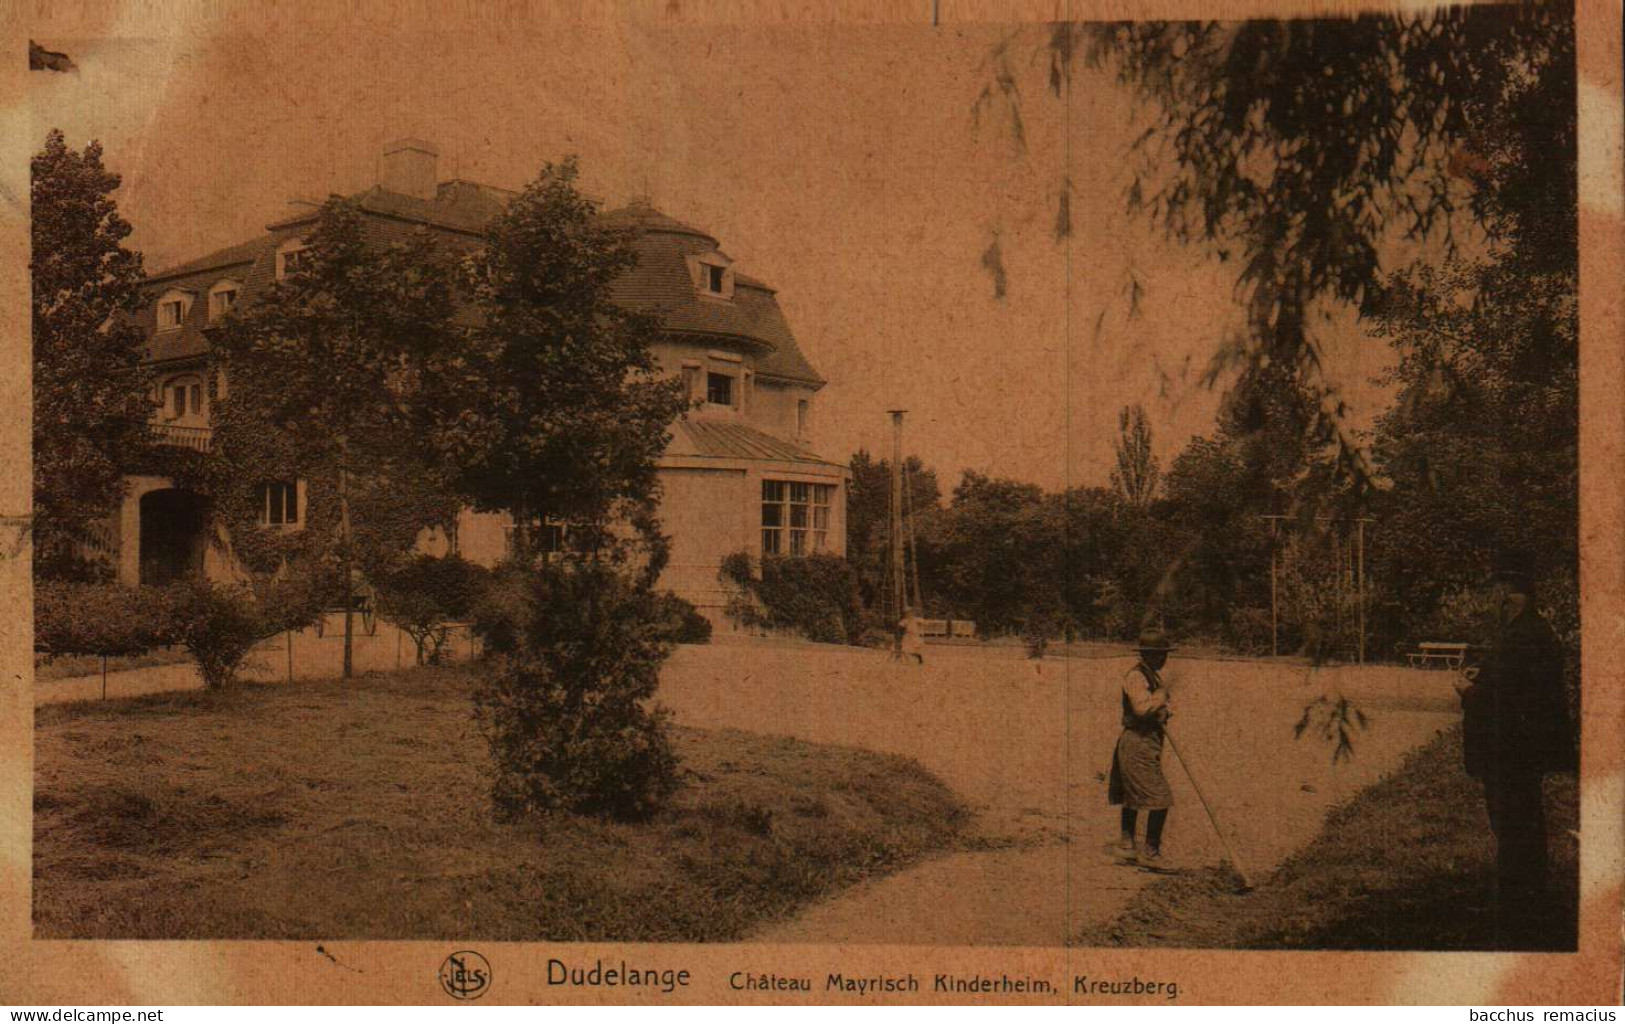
{"x": 358, "y": 811}
{"x": 1408, "y": 864}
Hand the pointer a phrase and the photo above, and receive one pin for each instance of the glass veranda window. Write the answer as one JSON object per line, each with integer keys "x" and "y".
{"x": 795, "y": 517}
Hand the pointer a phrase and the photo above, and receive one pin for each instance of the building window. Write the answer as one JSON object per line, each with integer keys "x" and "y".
{"x": 548, "y": 543}
{"x": 222, "y": 297}
{"x": 803, "y": 415}
{"x": 290, "y": 259}
{"x": 173, "y": 309}
{"x": 182, "y": 398}
{"x": 279, "y": 504}
{"x": 795, "y": 517}
{"x": 712, "y": 274}
{"x": 719, "y": 389}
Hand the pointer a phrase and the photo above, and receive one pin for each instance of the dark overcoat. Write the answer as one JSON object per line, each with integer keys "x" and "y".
{"x": 1515, "y": 715}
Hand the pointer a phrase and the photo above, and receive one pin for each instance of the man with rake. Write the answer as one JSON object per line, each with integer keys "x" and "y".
{"x": 1137, "y": 781}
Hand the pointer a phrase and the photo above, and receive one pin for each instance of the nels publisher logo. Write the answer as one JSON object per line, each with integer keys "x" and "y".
{"x": 465, "y": 975}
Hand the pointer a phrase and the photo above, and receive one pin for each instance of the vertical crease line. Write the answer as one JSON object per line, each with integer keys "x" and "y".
{"x": 1066, "y": 496}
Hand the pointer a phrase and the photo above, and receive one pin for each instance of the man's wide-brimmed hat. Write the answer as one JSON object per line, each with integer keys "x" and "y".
{"x": 1154, "y": 640}
{"x": 1515, "y": 567}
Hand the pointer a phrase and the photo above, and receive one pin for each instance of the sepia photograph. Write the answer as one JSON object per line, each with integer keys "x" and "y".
{"x": 997, "y": 488}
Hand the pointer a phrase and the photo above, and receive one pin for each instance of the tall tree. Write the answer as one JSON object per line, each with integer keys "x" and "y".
{"x": 868, "y": 523}
{"x": 1135, "y": 476}
{"x": 555, "y": 408}
{"x": 1004, "y": 556}
{"x": 91, "y": 395}
{"x": 1304, "y": 150}
{"x": 1481, "y": 449}
{"x": 1301, "y": 148}
{"x": 328, "y": 375}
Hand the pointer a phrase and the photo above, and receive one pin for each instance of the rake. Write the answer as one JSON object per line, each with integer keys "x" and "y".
{"x": 1212, "y": 814}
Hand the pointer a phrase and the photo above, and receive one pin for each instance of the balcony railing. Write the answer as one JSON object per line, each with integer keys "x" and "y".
{"x": 195, "y": 438}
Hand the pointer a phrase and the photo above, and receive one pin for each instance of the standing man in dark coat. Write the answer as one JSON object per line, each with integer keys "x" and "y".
{"x": 1514, "y": 731}
{"x": 1137, "y": 783}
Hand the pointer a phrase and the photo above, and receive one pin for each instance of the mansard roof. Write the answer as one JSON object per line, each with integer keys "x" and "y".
{"x": 661, "y": 283}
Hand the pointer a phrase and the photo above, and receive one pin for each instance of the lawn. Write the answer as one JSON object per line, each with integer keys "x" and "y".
{"x": 1408, "y": 864}
{"x": 358, "y": 811}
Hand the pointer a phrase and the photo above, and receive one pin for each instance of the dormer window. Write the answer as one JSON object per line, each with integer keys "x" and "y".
{"x": 713, "y": 274}
{"x": 172, "y": 309}
{"x": 290, "y": 257}
{"x": 222, "y": 297}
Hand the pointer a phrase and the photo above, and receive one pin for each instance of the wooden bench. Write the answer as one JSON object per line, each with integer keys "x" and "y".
{"x": 1444, "y": 655}
{"x": 937, "y": 630}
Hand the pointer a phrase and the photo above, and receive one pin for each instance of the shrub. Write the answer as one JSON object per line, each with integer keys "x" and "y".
{"x": 103, "y": 619}
{"x": 221, "y": 622}
{"x": 501, "y": 609}
{"x": 815, "y": 595}
{"x": 425, "y": 593}
{"x": 292, "y": 601}
{"x": 684, "y": 623}
{"x": 564, "y": 707}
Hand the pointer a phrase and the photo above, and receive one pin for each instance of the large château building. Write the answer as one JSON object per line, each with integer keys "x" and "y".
{"x": 740, "y": 473}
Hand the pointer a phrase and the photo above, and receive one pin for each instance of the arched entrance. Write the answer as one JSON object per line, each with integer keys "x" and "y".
{"x": 172, "y": 536}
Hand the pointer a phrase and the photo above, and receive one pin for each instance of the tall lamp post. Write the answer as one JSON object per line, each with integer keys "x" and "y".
{"x": 898, "y": 580}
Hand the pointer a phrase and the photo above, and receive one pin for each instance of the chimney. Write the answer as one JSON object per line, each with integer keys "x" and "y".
{"x": 409, "y": 168}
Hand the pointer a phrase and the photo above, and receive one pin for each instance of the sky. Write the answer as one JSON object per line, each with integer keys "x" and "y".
{"x": 848, "y": 166}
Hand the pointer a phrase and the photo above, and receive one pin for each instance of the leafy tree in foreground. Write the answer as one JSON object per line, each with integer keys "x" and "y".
{"x": 91, "y": 394}
{"x": 565, "y": 707}
{"x": 554, "y": 408}
{"x": 1482, "y": 445}
{"x": 327, "y": 374}
{"x": 1302, "y": 149}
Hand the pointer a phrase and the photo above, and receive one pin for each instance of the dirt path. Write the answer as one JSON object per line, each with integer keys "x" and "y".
{"x": 1029, "y": 749}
